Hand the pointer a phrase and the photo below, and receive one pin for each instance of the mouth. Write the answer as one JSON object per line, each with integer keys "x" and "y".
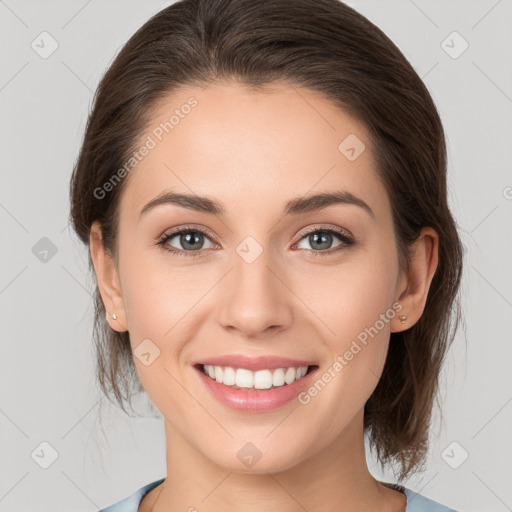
{"x": 260, "y": 380}
{"x": 264, "y": 390}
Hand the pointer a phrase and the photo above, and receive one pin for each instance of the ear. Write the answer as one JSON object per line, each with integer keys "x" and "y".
{"x": 108, "y": 280}
{"x": 422, "y": 267}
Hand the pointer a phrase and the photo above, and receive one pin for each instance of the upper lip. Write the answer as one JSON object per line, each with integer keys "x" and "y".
{"x": 254, "y": 363}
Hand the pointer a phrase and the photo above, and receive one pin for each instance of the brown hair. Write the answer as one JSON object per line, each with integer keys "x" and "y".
{"x": 328, "y": 47}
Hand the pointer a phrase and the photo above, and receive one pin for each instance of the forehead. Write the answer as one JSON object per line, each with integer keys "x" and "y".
{"x": 252, "y": 148}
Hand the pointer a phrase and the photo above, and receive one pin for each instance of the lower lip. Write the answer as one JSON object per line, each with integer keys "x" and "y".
{"x": 256, "y": 400}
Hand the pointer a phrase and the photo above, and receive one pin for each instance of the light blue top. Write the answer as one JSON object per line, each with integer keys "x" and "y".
{"x": 415, "y": 502}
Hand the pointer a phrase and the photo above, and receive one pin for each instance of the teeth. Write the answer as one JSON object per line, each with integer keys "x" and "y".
{"x": 262, "y": 379}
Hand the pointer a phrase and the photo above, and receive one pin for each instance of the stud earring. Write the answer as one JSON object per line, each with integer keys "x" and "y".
{"x": 402, "y": 318}
{"x": 114, "y": 316}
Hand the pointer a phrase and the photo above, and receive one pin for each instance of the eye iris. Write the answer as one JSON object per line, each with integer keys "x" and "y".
{"x": 192, "y": 239}
{"x": 314, "y": 238}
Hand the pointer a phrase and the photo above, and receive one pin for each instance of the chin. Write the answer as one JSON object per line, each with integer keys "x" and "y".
{"x": 250, "y": 460}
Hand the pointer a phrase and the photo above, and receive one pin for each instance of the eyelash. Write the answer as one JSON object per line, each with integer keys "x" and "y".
{"x": 347, "y": 242}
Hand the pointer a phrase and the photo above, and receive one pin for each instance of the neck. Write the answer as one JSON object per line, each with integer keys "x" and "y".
{"x": 334, "y": 478}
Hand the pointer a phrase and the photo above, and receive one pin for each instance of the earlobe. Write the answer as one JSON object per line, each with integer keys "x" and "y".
{"x": 108, "y": 280}
{"x": 422, "y": 267}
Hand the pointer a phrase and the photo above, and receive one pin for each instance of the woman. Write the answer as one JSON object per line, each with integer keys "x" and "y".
{"x": 262, "y": 186}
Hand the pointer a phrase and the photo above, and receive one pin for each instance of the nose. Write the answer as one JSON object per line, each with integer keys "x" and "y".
{"x": 254, "y": 298}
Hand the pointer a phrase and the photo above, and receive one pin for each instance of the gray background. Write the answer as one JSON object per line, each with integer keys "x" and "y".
{"x": 48, "y": 390}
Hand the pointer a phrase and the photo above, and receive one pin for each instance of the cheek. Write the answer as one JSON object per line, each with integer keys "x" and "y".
{"x": 153, "y": 295}
{"x": 356, "y": 341}
{"x": 350, "y": 296}
{"x": 354, "y": 303}
{"x": 151, "y": 278}
{"x": 156, "y": 301}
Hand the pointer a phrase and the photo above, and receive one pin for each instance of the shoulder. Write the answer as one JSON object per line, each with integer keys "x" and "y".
{"x": 418, "y": 503}
{"x": 131, "y": 503}
{"x": 415, "y": 501}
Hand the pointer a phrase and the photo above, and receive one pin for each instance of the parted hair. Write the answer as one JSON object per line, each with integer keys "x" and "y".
{"x": 327, "y": 47}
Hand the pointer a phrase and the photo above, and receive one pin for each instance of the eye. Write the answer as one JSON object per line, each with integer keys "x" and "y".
{"x": 321, "y": 239}
{"x": 190, "y": 239}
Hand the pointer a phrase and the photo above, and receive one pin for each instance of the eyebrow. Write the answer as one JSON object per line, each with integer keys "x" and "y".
{"x": 294, "y": 206}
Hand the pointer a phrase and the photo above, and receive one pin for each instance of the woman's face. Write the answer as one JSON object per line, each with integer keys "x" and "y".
{"x": 256, "y": 282}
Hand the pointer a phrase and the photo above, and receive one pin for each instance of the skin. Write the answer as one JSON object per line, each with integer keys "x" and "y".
{"x": 253, "y": 151}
